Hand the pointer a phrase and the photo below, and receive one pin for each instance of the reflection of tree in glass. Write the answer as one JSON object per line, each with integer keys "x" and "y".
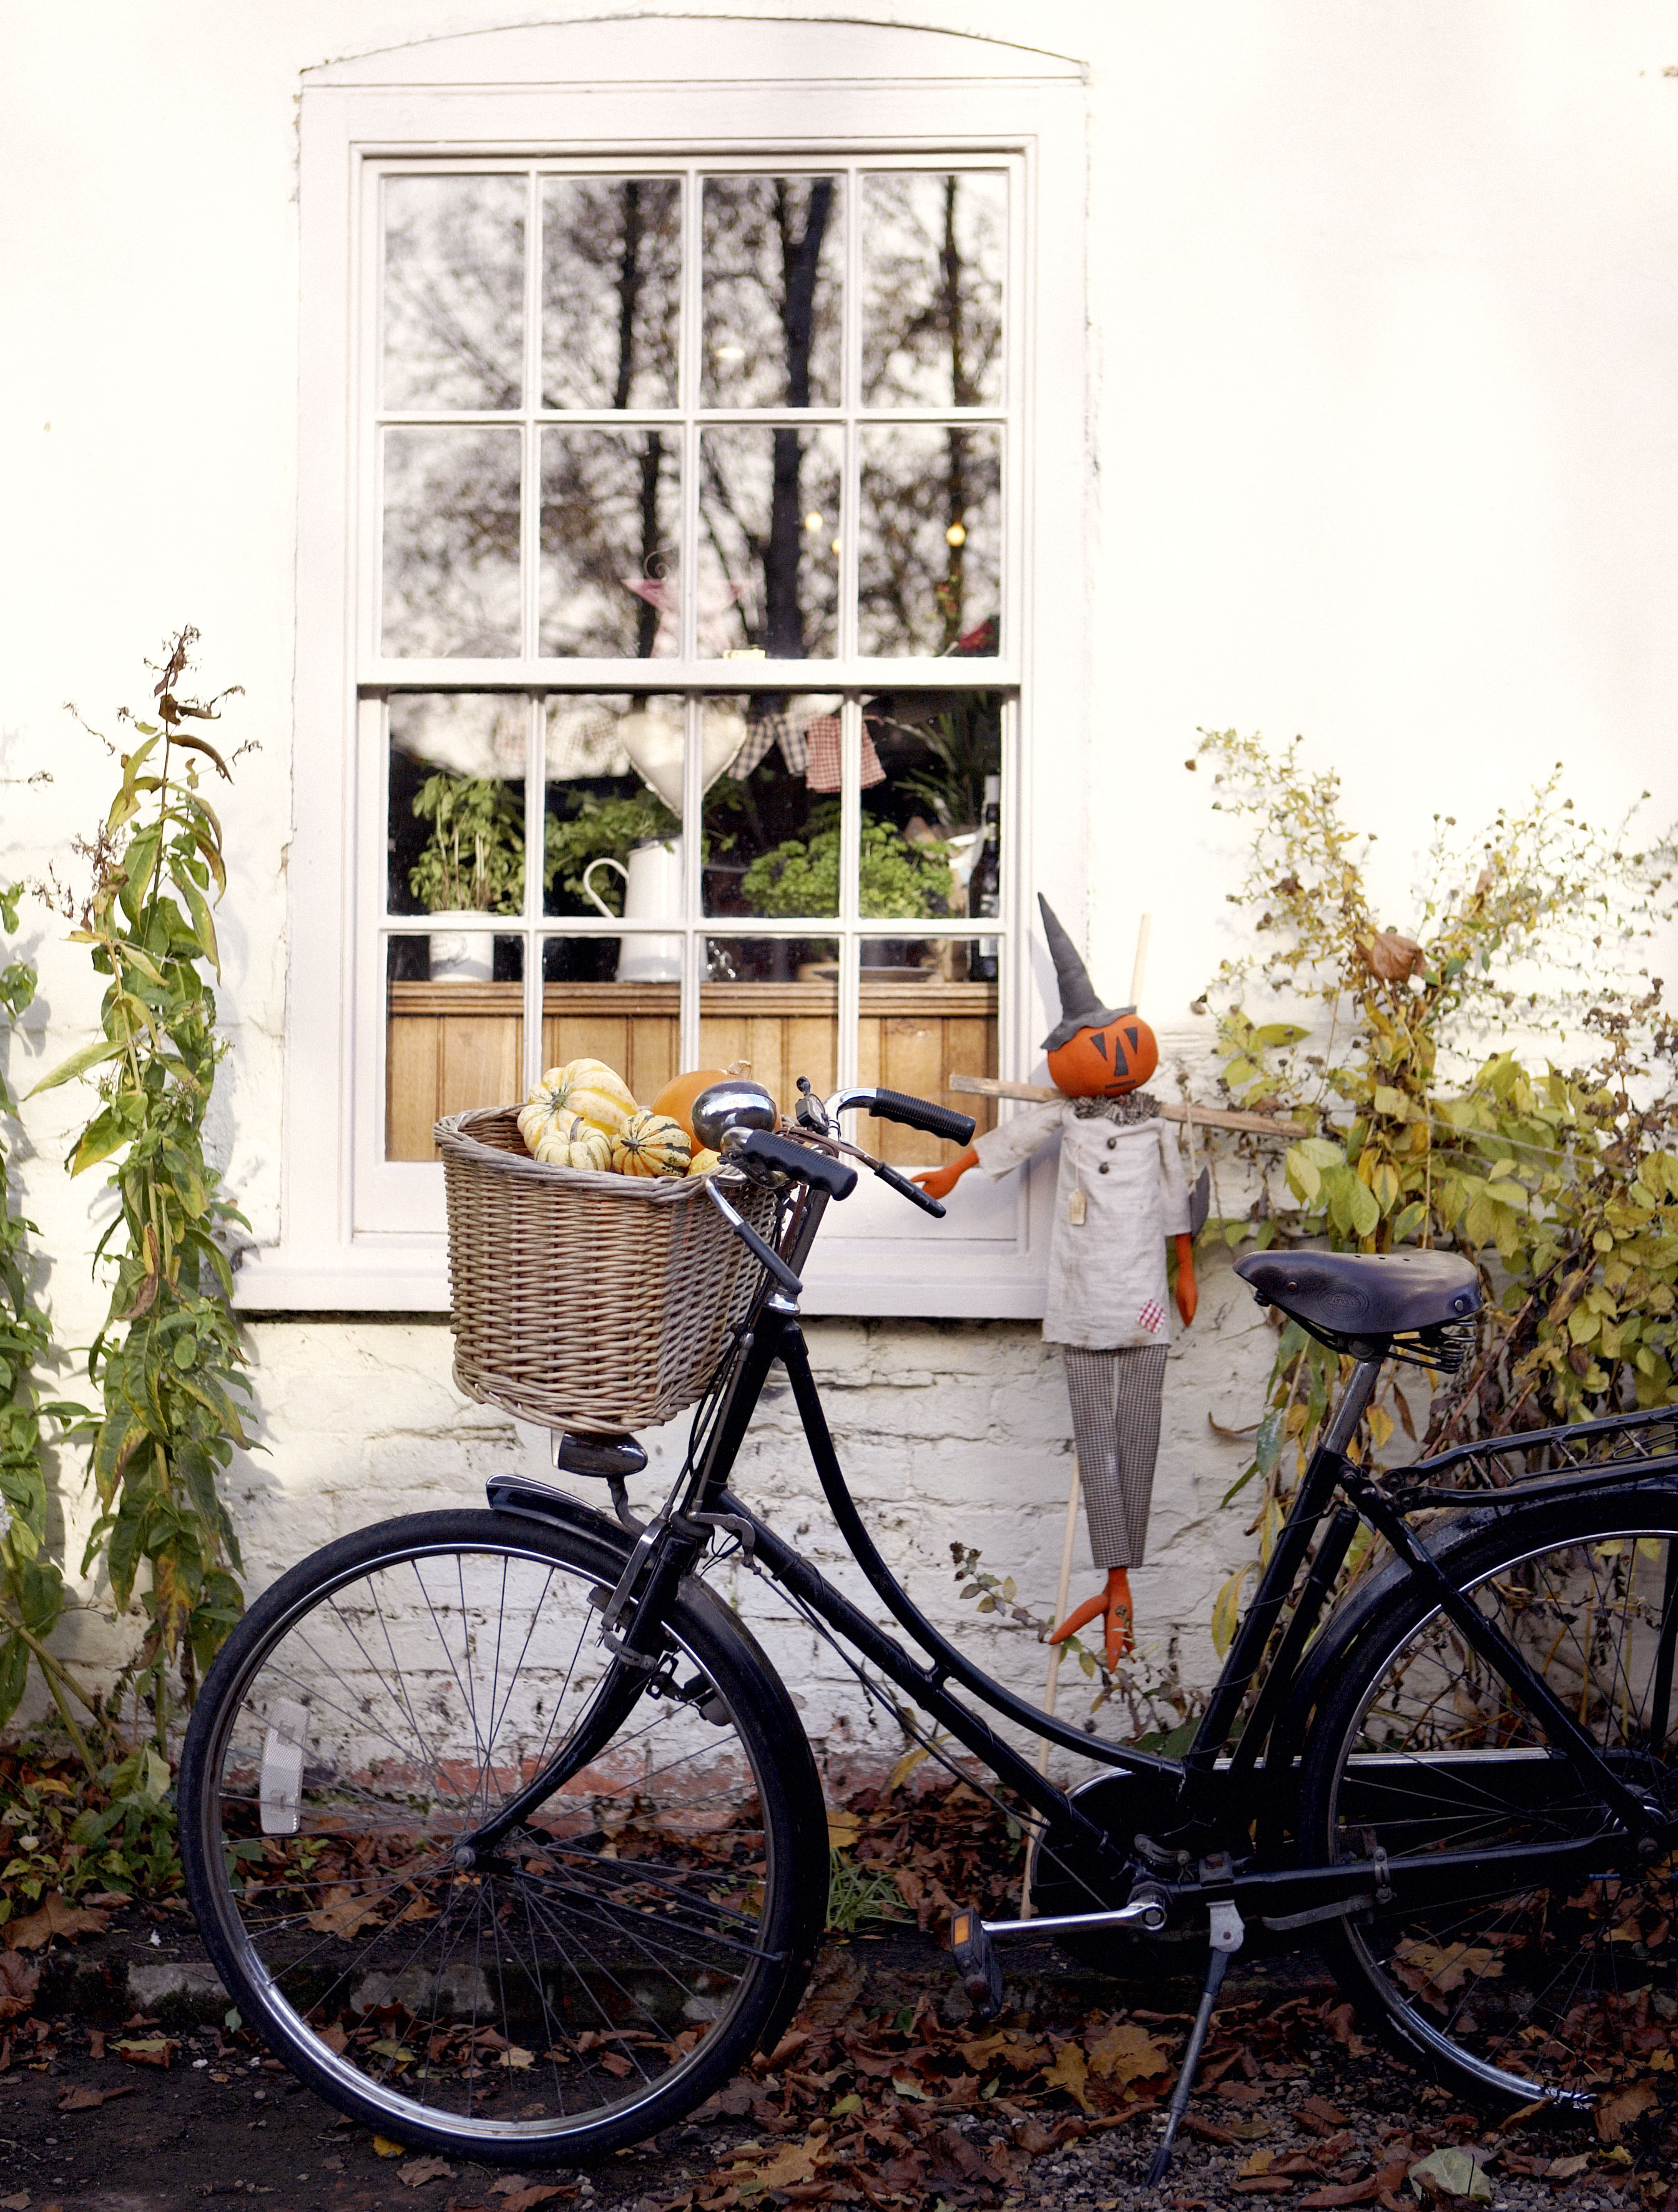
{"x": 932, "y": 337}
{"x": 771, "y": 253}
{"x": 928, "y": 580}
{"x": 612, "y": 283}
{"x": 451, "y": 583}
{"x": 454, "y": 259}
{"x": 611, "y": 291}
{"x": 609, "y": 516}
{"x": 931, "y": 318}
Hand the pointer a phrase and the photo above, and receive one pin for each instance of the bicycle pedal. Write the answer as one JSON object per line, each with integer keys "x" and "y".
{"x": 977, "y": 1964}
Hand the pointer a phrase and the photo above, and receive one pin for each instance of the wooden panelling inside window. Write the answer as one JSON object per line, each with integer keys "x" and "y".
{"x": 456, "y": 1045}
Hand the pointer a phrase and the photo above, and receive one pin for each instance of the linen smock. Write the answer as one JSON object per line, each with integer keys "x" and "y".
{"x": 1107, "y": 1277}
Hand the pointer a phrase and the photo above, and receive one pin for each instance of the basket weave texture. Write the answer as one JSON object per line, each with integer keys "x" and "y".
{"x": 590, "y": 1302}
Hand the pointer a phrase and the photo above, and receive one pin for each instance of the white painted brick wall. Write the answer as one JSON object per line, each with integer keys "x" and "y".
{"x": 949, "y": 1431}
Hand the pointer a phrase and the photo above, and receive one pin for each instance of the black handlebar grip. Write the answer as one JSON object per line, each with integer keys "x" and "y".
{"x": 905, "y": 1188}
{"x": 921, "y": 1114}
{"x": 802, "y": 1162}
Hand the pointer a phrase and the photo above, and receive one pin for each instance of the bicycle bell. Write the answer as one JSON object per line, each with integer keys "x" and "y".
{"x": 734, "y": 1103}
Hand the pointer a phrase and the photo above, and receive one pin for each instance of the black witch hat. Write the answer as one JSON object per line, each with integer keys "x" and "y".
{"x": 1080, "y": 1008}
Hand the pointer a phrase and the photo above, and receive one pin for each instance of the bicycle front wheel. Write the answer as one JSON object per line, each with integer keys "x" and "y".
{"x": 616, "y": 1960}
{"x": 1504, "y": 1983}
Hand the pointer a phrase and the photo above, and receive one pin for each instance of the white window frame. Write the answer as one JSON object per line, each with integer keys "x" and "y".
{"x": 632, "y": 92}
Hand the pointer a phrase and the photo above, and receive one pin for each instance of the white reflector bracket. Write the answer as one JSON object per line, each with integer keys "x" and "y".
{"x": 283, "y": 1767}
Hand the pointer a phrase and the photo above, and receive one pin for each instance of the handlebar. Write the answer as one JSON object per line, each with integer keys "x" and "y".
{"x": 750, "y": 1148}
{"x": 801, "y": 1161}
{"x": 914, "y": 1113}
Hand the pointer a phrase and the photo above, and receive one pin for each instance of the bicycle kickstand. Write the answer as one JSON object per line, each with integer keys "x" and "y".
{"x": 1228, "y": 1932}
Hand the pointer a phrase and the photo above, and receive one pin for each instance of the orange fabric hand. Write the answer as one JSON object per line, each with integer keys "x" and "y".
{"x": 939, "y": 1183}
{"x": 1114, "y": 1603}
{"x": 1188, "y": 1296}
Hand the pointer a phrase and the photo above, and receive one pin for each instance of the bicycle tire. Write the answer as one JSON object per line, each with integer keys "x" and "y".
{"x": 622, "y": 1954}
{"x": 1525, "y": 1990}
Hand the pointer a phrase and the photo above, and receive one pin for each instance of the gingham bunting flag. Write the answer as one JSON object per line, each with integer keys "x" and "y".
{"x": 1152, "y": 1317}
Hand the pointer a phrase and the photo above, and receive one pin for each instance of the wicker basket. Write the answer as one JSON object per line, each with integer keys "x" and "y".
{"x": 592, "y": 1303}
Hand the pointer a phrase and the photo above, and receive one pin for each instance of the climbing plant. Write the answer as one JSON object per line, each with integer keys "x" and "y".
{"x": 32, "y": 1588}
{"x": 169, "y": 1362}
{"x": 1498, "y": 1084}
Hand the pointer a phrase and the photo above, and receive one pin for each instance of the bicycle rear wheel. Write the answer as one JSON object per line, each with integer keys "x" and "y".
{"x": 1518, "y": 1987}
{"x": 618, "y": 1958}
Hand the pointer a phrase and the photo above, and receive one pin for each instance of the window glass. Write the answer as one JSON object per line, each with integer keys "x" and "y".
{"x": 929, "y": 539}
{"x": 611, "y": 288}
{"x": 772, "y": 1002}
{"x": 675, "y": 523}
{"x": 454, "y": 1032}
{"x": 591, "y": 1011}
{"x": 933, "y": 252}
{"x": 769, "y": 541}
{"x": 451, "y": 555}
{"x": 453, "y": 293}
{"x": 455, "y": 818}
{"x": 772, "y": 816}
{"x": 771, "y": 279}
{"x": 610, "y": 516}
{"x": 921, "y": 1021}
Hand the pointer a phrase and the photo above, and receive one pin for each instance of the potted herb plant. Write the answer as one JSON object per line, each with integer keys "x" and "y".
{"x": 473, "y": 863}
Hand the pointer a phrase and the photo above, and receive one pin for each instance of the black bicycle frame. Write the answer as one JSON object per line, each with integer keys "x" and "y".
{"x": 1209, "y": 1777}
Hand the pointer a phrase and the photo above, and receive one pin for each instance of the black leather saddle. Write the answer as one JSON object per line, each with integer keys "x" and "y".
{"x": 1365, "y": 1294}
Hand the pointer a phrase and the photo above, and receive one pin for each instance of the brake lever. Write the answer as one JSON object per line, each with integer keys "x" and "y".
{"x": 905, "y": 1188}
{"x": 791, "y": 1284}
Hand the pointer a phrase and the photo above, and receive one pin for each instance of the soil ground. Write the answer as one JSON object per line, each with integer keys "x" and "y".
{"x": 1329, "y": 2121}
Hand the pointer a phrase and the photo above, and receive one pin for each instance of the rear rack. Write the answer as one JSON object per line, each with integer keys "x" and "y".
{"x": 1641, "y": 1443}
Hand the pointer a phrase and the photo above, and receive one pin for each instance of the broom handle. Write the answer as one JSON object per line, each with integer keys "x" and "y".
{"x": 1057, "y": 1651}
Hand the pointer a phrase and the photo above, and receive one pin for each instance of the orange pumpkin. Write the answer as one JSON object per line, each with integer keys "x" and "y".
{"x": 677, "y": 1098}
{"x": 1105, "y": 1063}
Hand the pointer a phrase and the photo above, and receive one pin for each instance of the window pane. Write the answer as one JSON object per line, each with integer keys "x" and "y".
{"x": 454, "y": 292}
{"x": 772, "y": 818}
{"x": 922, "y": 1022}
{"x": 774, "y": 1002}
{"x": 934, "y": 249}
{"x": 455, "y": 834}
{"x": 453, "y": 1032}
{"x": 771, "y": 277}
{"x": 768, "y": 541}
{"x": 611, "y": 515}
{"x": 611, "y": 288}
{"x": 614, "y": 816}
{"x": 451, "y": 576}
{"x": 932, "y": 839}
{"x": 589, "y": 1012}
{"x": 930, "y": 534}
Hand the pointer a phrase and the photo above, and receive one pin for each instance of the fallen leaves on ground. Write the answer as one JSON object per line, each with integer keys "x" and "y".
{"x": 384, "y": 2148}
{"x": 145, "y": 2050}
{"x": 89, "y": 2100}
{"x": 1615, "y": 2113}
{"x": 55, "y": 1916}
{"x": 1455, "y": 2171}
{"x": 19, "y": 1980}
{"x": 419, "y": 2171}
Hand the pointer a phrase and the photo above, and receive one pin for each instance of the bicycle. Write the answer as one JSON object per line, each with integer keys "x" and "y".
{"x": 502, "y": 1832}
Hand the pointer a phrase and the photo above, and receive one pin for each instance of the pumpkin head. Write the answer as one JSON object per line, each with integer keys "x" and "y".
{"x": 1107, "y": 1061}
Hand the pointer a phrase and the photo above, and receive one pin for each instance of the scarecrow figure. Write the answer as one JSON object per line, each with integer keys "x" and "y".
{"x": 1120, "y": 1196}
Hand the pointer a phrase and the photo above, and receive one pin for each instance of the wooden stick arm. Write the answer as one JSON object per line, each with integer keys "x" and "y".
{"x": 1171, "y": 1109}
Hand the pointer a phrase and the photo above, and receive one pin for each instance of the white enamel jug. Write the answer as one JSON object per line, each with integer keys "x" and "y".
{"x": 652, "y": 892}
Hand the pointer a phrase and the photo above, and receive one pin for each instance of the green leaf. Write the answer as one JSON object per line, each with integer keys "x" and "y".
{"x": 89, "y": 1056}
